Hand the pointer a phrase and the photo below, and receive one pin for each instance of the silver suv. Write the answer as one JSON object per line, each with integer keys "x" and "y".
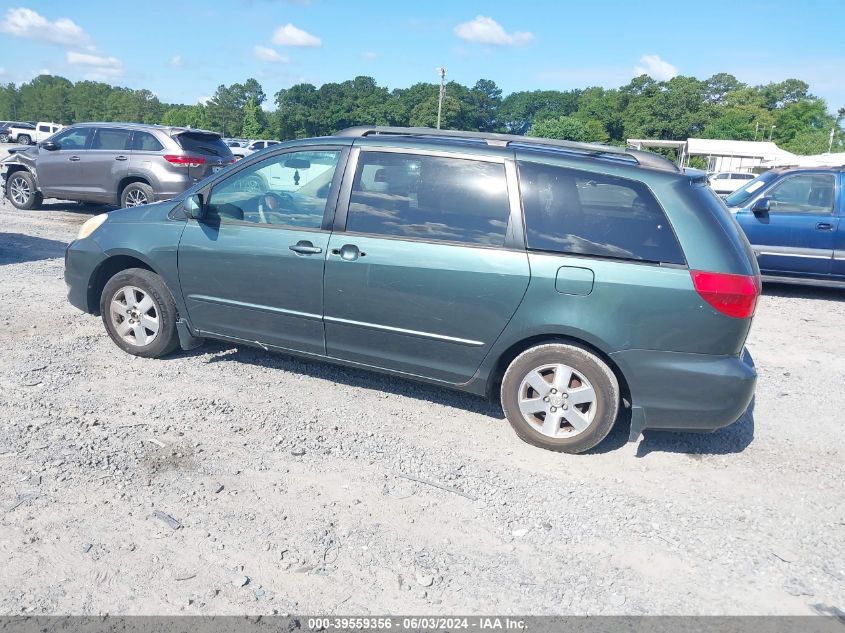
{"x": 113, "y": 163}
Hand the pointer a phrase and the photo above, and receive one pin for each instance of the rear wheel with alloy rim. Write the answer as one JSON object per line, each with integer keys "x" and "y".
{"x": 560, "y": 397}
{"x": 135, "y": 194}
{"x": 21, "y": 191}
{"x": 139, "y": 313}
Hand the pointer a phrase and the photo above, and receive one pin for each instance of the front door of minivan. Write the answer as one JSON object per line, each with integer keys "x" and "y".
{"x": 796, "y": 235}
{"x": 252, "y": 268}
{"x": 418, "y": 278}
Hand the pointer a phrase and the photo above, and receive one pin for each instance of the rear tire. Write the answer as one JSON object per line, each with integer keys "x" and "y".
{"x": 136, "y": 194}
{"x": 24, "y": 139}
{"x": 21, "y": 191}
{"x": 560, "y": 397}
{"x": 139, "y": 313}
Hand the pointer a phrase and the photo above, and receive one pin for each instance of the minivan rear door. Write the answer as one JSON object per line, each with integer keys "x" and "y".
{"x": 423, "y": 272}
{"x": 796, "y": 236}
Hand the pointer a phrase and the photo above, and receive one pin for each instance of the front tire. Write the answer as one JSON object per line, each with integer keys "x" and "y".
{"x": 21, "y": 191}
{"x": 139, "y": 313}
{"x": 560, "y": 397}
{"x": 136, "y": 194}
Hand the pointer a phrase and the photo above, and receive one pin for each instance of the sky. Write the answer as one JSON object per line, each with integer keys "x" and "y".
{"x": 183, "y": 49}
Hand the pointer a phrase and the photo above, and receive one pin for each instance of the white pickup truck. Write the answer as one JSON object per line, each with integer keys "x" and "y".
{"x": 27, "y": 134}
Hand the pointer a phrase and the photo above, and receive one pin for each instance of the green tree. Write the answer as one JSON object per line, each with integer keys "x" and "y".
{"x": 570, "y": 128}
{"x": 425, "y": 114}
{"x": 252, "y": 127}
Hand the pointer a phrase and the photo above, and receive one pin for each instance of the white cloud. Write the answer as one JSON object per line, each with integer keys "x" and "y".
{"x": 369, "y": 55}
{"x": 97, "y": 67}
{"x": 2, "y": 71}
{"x": 485, "y": 30}
{"x": 267, "y": 54}
{"x": 26, "y": 23}
{"x": 177, "y": 61}
{"x": 655, "y": 67}
{"x": 289, "y": 35}
{"x": 203, "y": 100}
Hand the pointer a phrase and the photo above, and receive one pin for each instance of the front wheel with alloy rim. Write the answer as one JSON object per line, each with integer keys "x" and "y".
{"x": 560, "y": 397}
{"x": 21, "y": 191}
{"x": 135, "y": 194}
{"x": 139, "y": 313}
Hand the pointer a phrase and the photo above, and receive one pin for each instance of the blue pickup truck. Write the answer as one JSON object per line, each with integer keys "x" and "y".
{"x": 795, "y": 221}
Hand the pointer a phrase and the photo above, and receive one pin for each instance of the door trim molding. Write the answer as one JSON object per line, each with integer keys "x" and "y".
{"x": 254, "y": 306}
{"x": 398, "y": 330}
{"x": 792, "y": 251}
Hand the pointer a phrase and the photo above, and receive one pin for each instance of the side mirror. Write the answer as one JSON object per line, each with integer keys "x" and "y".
{"x": 193, "y": 206}
{"x": 50, "y": 146}
{"x": 761, "y": 207}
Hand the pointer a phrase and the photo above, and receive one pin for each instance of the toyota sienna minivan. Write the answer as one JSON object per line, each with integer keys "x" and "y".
{"x": 567, "y": 280}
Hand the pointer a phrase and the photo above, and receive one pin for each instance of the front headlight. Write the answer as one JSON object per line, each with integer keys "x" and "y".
{"x": 91, "y": 225}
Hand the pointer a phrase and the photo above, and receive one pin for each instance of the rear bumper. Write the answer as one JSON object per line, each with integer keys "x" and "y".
{"x": 686, "y": 392}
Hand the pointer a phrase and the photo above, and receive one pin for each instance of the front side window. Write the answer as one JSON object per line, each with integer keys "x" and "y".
{"x": 288, "y": 190}
{"x": 583, "y": 213}
{"x": 111, "y": 138}
{"x": 807, "y": 193}
{"x": 74, "y": 139}
{"x": 429, "y": 197}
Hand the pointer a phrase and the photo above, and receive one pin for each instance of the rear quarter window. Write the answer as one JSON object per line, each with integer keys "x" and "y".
{"x": 584, "y": 213}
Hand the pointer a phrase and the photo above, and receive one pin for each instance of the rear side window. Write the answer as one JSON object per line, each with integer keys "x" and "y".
{"x": 109, "y": 138}
{"x": 583, "y": 213}
{"x": 201, "y": 143}
{"x": 429, "y": 197}
{"x": 145, "y": 142}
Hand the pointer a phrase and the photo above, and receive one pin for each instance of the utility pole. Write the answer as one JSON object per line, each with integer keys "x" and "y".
{"x": 771, "y": 129}
{"x": 756, "y": 130}
{"x": 442, "y": 72}
{"x": 830, "y": 141}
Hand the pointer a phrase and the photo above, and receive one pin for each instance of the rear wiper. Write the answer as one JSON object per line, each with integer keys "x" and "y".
{"x": 209, "y": 150}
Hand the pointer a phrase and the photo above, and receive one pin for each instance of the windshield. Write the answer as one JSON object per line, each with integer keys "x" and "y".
{"x": 744, "y": 193}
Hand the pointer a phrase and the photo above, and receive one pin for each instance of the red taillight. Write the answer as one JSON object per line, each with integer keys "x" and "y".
{"x": 185, "y": 161}
{"x": 732, "y": 295}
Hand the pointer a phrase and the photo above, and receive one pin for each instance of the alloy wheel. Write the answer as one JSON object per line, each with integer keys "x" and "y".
{"x": 135, "y": 316}
{"x": 557, "y": 401}
{"x": 20, "y": 190}
{"x": 136, "y": 198}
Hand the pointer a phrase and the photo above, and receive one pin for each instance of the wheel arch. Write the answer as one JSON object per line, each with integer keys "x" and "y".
{"x": 108, "y": 268}
{"x": 504, "y": 359}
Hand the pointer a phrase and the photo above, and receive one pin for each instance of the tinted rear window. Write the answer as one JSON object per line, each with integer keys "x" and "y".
{"x": 145, "y": 142}
{"x": 201, "y": 143}
{"x": 583, "y": 213}
{"x": 429, "y": 197}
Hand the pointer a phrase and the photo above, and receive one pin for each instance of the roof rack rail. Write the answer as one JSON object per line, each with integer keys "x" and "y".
{"x": 643, "y": 158}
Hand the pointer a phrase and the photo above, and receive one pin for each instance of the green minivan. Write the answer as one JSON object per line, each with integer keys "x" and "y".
{"x": 567, "y": 279}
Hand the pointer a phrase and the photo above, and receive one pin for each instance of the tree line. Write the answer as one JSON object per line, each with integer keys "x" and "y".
{"x": 682, "y": 107}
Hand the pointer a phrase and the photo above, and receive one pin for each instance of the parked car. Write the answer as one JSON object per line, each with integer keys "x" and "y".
{"x": 28, "y": 133}
{"x": 725, "y": 182}
{"x": 251, "y": 146}
{"x": 113, "y": 163}
{"x": 568, "y": 279}
{"x": 794, "y": 221}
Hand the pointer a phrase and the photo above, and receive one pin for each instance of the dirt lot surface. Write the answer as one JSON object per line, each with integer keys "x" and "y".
{"x": 231, "y": 480}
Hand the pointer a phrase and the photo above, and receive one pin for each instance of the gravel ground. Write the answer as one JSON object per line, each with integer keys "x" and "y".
{"x": 229, "y": 480}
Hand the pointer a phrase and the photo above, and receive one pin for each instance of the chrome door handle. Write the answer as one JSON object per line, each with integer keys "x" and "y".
{"x": 74, "y": 158}
{"x": 349, "y": 252}
{"x": 121, "y": 158}
{"x": 824, "y": 226}
{"x": 304, "y": 247}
